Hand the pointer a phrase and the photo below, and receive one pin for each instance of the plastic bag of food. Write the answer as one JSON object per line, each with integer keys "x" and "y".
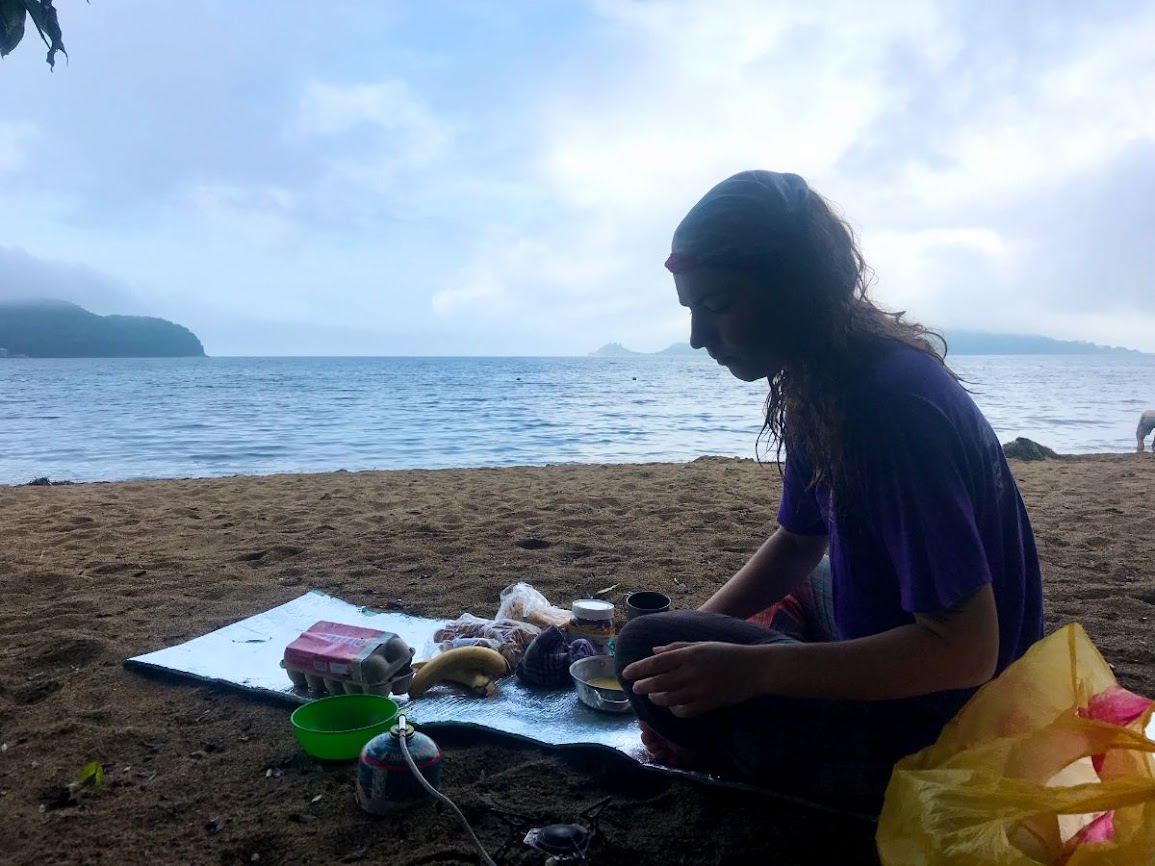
{"x": 520, "y": 601}
{"x": 458, "y": 642}
{"x": 511, "y": 637}
{"x": 1048, "y": 763}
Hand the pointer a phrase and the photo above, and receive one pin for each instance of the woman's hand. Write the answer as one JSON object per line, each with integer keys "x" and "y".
{"x": 950, "y": 649}
{"x": 694, "y": 678}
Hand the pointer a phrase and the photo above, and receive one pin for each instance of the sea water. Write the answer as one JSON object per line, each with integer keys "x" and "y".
{"x": 114, "y": 419}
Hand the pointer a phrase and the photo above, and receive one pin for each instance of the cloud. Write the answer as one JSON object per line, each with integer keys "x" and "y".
{"x": 682, "y": 95}
{"x": 478, "y": 293}
{"x": 24, "y": 277}
{"x": 266, "y": 217}
{"x": 16, "y": 138}
{"x": 1087, "y": 240}
{"x": 389, "y": 105}
{"x": 1015, "y": 109}
{"x": 510, "y": 181}
{"x": 934, "y": 125}
{"x": 379, "y": 134}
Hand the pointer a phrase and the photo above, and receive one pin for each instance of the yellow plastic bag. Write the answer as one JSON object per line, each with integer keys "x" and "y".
{"x": 1048, "y": 763}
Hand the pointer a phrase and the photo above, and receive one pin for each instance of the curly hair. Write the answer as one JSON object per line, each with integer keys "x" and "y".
{"x": 822, "y": 282}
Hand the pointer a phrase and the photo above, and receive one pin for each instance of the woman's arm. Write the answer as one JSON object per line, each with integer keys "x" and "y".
{"x": 952, "y": 649}
{"x": 782, "y": 562}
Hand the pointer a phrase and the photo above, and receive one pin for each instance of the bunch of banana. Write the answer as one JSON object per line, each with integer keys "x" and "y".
{"x": 475, "y": 667}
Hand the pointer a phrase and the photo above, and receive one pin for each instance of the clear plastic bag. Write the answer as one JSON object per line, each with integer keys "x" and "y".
{"x": 459, "y": 642}
{"x": 521, "y": 602}
{"x": 508, "y": 637}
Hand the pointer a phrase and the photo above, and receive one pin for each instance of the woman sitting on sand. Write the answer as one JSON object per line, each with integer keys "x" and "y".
{"x": 812, "y": 675}
{"x": 1146, "y": 426}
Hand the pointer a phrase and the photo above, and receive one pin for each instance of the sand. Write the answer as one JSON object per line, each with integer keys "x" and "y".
{"x": 95, "y": 573}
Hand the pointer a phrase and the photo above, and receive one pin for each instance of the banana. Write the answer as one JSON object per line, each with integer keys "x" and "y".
{"x": 472, "y": 666}
{"x": 478, "y": 682}
{"x": 481, "y": 684}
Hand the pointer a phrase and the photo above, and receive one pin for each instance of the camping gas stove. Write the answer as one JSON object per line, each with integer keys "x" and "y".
{"x": 561, "y": 843}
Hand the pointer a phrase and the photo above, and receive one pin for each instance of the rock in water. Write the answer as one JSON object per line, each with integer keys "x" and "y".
{"x": 1025, "y": 449}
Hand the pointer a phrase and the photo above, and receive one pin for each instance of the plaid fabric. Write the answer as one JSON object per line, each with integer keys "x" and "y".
{"x": 548, "y": 657}
{"x": 807, "y": 614}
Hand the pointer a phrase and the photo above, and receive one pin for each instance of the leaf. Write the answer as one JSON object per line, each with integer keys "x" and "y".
{"x": 607, "y": 590}
{"x": 92, "y": 774}
{"x": 39, "y": 16}
{"x": 12, "y": 16}
{"x": 43, "y": 15}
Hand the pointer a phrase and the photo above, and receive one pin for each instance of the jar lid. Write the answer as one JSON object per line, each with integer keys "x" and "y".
{"x": 595, "y": 609}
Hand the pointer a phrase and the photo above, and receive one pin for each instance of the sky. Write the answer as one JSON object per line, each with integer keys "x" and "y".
{"x": 502, "y": 177}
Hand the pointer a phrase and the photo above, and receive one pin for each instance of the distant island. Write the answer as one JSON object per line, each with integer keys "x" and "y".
{"x": 617, "y": 350}
{"x": 958, "y": 342}
{"x": 58, "y": 329}
{"x": 983, "y": 343}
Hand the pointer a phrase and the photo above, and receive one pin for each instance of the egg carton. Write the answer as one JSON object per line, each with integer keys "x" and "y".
{"x": 330, "y": 658}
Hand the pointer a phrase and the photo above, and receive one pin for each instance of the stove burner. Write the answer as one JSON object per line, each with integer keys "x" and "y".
{"x": 563, "y": 843}
{"x": 566, "y": 842}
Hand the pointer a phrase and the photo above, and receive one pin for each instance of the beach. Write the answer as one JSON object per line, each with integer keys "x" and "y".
{"x": 96, "y": 573}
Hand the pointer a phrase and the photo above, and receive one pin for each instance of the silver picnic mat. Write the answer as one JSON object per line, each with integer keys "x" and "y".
{"x": 247, "y": 655}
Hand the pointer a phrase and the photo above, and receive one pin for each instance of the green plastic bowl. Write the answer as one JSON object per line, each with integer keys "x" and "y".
{"x": 336, "y": 728}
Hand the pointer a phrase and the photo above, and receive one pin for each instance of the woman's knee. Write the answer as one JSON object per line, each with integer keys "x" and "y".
{"x": 639, "y": 637}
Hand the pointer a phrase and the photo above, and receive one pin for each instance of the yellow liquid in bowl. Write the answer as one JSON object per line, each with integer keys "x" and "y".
{"x": 608, "y": 683}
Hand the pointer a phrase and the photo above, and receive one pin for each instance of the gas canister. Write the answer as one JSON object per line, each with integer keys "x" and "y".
{"x": 385, "y": 783}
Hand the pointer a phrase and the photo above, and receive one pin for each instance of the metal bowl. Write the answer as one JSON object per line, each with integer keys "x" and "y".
{"x": 606, "y": 700}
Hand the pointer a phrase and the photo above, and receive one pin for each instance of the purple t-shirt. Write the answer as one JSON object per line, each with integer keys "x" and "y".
{"x": 938, "y": 513}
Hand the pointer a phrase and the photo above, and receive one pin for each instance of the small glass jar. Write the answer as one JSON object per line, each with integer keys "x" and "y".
{"x": 593, "y": 619}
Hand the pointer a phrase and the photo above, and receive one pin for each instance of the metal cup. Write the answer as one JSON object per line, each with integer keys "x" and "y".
{"x": 642, "y": 603}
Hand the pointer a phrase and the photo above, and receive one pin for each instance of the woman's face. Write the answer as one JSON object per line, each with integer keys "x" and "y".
{"x": 733, "y": 320}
